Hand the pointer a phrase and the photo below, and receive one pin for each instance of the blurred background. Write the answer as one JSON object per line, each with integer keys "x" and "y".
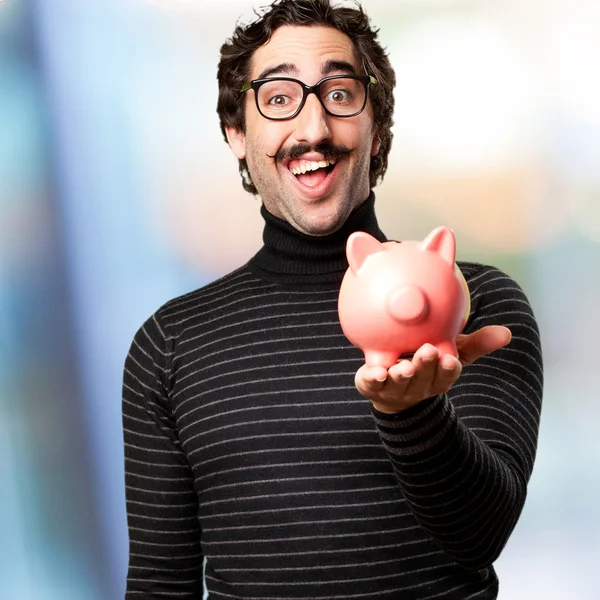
{"x": 118, "y": 193}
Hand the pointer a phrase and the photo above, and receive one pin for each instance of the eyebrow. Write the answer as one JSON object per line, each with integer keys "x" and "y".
{"x": 283, "y": 68}
{"x": 331, "y": 66}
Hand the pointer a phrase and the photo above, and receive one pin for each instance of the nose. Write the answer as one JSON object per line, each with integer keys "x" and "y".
{"x": 312, "y": 123}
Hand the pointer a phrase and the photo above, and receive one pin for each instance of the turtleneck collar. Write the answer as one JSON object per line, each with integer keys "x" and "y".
{"x": 292, "y": 257}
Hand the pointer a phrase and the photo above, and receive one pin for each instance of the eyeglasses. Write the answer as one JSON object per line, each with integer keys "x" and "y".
{"x": 282, "y": 98}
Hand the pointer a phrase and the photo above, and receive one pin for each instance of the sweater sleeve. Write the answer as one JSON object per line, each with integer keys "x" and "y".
{"x": 165, "y": 558}
{"x": 463, "y": 459}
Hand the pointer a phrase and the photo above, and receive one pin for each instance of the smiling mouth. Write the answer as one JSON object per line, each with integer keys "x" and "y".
{"x": 312, "y": 173}
{"x": 308, "y": 166}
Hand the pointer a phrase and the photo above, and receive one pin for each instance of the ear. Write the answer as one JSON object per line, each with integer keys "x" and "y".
{"x": 376, "y": 144}
{"x": 237, "y": 142}
{"x": 359, "y": 247}
{"x": 442, "y": 241}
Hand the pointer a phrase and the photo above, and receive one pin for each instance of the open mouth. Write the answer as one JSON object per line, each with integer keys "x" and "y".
{"x": 312, "y": 173}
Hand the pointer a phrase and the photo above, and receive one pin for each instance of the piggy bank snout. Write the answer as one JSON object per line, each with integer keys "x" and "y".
{"x": 407, "y": 304}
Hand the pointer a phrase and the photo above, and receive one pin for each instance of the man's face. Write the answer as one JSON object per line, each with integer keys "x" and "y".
{"x": 317, "y": 202}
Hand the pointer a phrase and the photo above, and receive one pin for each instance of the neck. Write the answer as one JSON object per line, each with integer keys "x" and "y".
{"x": 290, "y": 256}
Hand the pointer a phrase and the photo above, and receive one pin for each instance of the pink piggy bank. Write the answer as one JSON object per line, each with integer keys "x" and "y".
{"x": 397, "y": 296}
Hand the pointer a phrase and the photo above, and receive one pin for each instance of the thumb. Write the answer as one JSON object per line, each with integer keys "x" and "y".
{"x": 484, "y": 341}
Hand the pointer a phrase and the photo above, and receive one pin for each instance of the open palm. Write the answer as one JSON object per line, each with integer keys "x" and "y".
{"x": 428, "y": 373}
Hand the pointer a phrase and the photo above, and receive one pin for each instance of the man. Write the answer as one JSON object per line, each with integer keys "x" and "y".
{"x": 256, "y": 439}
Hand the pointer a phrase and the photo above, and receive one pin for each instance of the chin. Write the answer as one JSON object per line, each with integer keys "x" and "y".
{"x": 325, "y": 218}
{"x": 321, "y": 232}
{"x": 318, "y": 227}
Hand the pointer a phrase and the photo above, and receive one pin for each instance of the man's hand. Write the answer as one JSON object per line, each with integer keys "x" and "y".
{"x": 428, "y": 373}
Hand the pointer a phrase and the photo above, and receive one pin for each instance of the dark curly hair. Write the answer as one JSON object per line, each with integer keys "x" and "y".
{"x": 237, "y": 52}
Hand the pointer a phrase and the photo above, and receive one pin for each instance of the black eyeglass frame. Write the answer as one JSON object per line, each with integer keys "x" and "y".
{"x": 366, "y": 80}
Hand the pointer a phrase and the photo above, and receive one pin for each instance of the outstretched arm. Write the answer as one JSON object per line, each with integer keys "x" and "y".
{"x": 463, "y": 447}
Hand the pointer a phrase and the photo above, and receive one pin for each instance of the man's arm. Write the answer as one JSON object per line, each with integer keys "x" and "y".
{"x": 464, "y": 457}
{"x": 165, "y": 558}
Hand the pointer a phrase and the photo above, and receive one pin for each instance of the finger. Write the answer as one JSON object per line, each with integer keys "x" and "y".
{"x": 448, "y": 371}
{"x": 484, "y": 341}
{"x": 400, "y": 376}
{"x": 402, "y": 370}
{"x": 369, "y": 381}
{"x": 389, "y": 397}
{"x": 424, "y": 367}
{"x": 426, "y": 356}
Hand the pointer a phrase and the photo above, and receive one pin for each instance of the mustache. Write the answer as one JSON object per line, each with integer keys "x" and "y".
{"x": 297, "y": 150}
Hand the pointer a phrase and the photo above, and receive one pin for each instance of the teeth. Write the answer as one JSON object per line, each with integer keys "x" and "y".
{"x": 311, "y": 165}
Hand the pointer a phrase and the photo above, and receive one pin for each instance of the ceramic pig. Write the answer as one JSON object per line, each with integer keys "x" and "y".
{"x": 397, "y": 296}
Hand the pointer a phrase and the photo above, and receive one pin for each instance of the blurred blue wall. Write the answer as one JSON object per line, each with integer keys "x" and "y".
{"x": 117, "y": 193}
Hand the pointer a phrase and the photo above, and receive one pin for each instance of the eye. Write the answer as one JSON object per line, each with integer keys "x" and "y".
{"x": 279, "y": 100}
{"x": 339, "y": 96}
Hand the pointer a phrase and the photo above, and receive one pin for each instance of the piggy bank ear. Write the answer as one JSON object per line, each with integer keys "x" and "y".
{"x": 442, "y": 241}
{"x": 359, "y": 246}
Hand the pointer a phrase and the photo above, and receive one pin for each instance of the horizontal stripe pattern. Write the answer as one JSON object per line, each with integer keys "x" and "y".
{"x": 247, "y": 445}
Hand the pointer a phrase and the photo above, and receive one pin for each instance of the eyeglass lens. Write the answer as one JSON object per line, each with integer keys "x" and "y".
{"x": 279, "y": 99}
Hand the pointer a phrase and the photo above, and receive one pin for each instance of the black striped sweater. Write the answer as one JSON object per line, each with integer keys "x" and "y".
{"x": 248, "y": 446}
